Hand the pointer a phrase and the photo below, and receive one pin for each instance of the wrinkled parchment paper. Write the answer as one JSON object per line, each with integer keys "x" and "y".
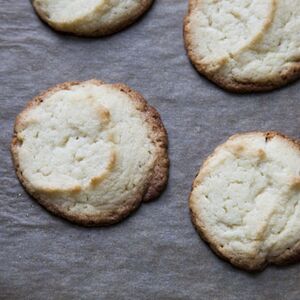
{"x": 155, "y": 253}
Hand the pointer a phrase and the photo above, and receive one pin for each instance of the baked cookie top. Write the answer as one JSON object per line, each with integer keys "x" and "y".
{"x": 90, "y": 17}
{"x": 245, "y": 46}
{"x": 91, "y": 152}
{"x": 245, "y": 200}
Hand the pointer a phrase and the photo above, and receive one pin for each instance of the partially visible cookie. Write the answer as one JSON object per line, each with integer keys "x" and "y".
{"x": 245, "y": 46}
{"x": 245, "y": 201}
{"x": 90, "y": 17}
{"x": 91, "y": 152}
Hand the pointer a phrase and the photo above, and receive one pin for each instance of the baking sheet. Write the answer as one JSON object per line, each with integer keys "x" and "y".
{"x": 155, "y": 253}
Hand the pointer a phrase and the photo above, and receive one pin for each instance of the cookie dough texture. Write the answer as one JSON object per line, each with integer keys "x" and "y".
{"x": 90, "y": 17}
{"x": 245, "y": 201}
{"x": 244, "y": 46}
{"x": 91, "y": 152}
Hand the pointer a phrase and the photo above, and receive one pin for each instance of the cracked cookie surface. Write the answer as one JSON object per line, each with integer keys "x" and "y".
{"x": 244, "y": 46}
{"x": 245, "y": 200}
{"x": 90, "y": 17}
{"x": 91, "y": 152}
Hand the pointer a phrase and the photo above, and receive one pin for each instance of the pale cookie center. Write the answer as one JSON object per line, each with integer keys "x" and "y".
{"x": 67, "y": 143}
{"x": 277, "y": 51}
{"x": 222, "y": 29}
{"x": 249, "y": 201}
{"x": 69, "y": 10}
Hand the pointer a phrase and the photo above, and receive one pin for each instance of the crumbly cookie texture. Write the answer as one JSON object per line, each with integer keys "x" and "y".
{"x": 91, "y": 152}
{"x": 90, "y": 17}
{"x": 245, "y": 200}
{"x": 245, "y": 46}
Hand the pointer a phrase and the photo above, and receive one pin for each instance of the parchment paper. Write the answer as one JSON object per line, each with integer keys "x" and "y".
{"x": 155, "y": 253}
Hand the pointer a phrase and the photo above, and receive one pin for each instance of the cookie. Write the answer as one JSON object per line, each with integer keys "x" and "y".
{"x": 244, "y": 46}
{"x": 245, "y": 200}
{"x": 90, "y": 18}
{"x": 91, "y": 152}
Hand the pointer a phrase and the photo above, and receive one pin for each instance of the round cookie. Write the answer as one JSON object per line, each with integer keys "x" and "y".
{"x": 244, "y": 46}
{"x": 90, "y": 18}
{"x": 245, "y": 200}
{"x": 91, "y": 152}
